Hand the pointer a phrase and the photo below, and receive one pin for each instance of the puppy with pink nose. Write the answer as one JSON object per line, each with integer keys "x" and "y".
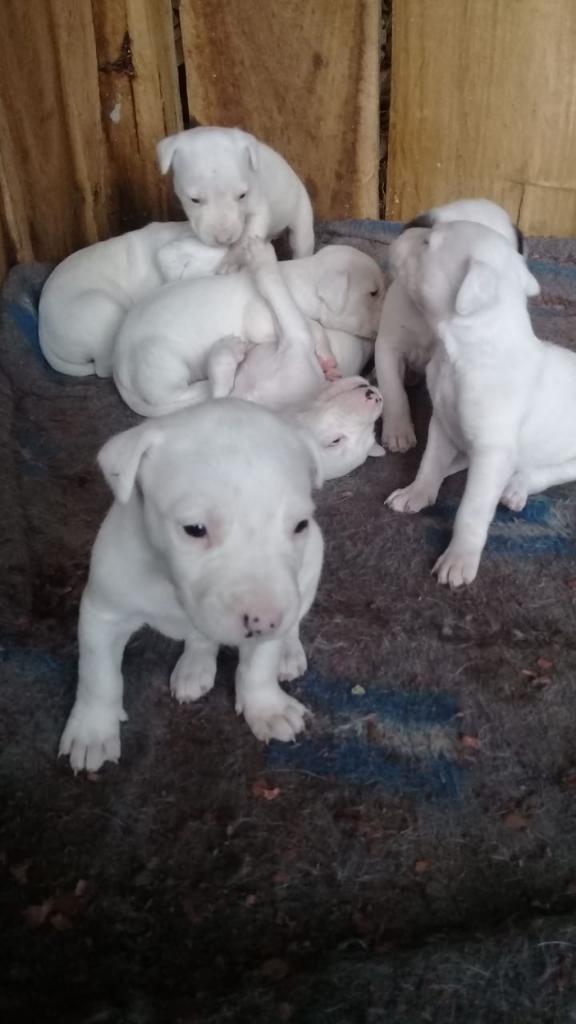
{"x": 212, "y": 540}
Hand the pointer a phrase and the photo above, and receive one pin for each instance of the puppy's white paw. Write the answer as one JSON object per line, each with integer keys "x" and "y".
{"x": 274, "y": 716}
{"x": 192, "y": 677}
{"x": 515, "y": 494}
{"x": 398, "y": 436}
{"x": 294, "y": 662}
{"x": 91, "y": 737}
{"x": 234, "y": 260}
{"x": 457, "y": 567}
{"x": 410, "y": 499}
{"x": 258, "y": 253}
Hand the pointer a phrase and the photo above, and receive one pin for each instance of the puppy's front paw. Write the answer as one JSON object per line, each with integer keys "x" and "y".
{"x": 274, "y": 716}
{"x": 234, "y": 260}
{"x": 91, "y": 737}
{"x": 410, "y": 499}
{"x": 258, "y": 253}
{"x": 192, "y": 677}
{"x": 457, "y": 567}
{"x": 515, "y": 495}
{"x": 294, "y": 662}
{"x": 398, "y": 435}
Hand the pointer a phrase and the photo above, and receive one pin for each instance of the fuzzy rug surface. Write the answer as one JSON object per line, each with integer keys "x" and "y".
{"x": 412, "y": 858}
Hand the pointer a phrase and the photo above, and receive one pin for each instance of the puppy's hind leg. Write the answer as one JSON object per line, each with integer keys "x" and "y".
{"x": 223, "y": 362}
{"x": 521, "y": 485}
{"x": 301, "y": 230}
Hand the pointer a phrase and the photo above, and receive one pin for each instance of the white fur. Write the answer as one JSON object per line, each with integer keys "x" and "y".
{"x": 164, "y": 345}
{"x": 87, "y": 296}
{"x": 247, "y": 477}
{"x": 233, "y": 187}
{"x": 504, "y": 402}
{"x": 404, "y": 341}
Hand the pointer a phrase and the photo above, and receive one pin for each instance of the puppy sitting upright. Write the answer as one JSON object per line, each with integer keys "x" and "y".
{"x": 212, "y": 540}
{"x": 504, "y": 402}
{"x": 233, "y": 187}
{"x": 404, "y": 342}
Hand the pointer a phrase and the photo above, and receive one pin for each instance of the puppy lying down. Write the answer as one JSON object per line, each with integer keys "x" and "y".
{"x": 164, "y": 344}
{"x": 211, "y": 539}
{"x": 87, "y": 296}
{"x": 286, "y": 374}
{"x": 504, "y": 402}
{"x": 404, "y": 341}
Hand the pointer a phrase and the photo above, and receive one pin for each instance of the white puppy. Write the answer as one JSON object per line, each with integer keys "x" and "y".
{"x": 404, "y": 341}
{"x": 87, "y": 296}
{"x": 233, "y": 187}
{"x": 504, "y": 402}
{"x": 163, "y": 345}
{"x": 212, "y": 540}
{"x": 341, "y": 422}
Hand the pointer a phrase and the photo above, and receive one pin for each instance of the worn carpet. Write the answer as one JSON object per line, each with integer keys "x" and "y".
{"x": 411, "y": 859}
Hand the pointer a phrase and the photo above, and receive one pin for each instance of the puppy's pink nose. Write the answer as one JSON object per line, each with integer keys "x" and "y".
{"x": 261, "y": 621}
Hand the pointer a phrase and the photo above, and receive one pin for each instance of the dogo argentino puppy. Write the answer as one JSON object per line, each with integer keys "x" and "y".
{"x": 404, "y": 342}
{"x": 212, "y": 540}
{"x": 504, "y": 402}
{"x": 87, "y": 296}
{"x": 164, "y": 343}
{"x": 233, "y": 187}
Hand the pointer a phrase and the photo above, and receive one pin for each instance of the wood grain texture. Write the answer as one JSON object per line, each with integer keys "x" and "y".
{"x": 140, "y": 102}
{"x": 52, "y": 172}
{"x": 484, "y": 103}
{"x": 303, "y": 77}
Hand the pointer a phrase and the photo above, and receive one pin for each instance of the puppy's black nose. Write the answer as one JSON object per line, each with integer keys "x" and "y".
{"x": 370, "y": 393}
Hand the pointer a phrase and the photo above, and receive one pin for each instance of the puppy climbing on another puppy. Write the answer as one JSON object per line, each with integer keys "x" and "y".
{"x": 504, "y": 402}
{"x": 233, "y": 187}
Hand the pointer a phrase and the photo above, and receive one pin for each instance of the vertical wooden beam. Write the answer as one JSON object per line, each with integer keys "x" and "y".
{"x": 483, "y": 104}
{"x": 140, "y": 102}
{"x": 304, "y": 77}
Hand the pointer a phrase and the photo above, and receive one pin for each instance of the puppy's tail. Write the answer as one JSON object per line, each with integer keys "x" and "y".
{"x": 63, "y": 366}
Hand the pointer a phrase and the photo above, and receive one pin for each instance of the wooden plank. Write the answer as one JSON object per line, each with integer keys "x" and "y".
{"x": 53, "y": 187}
{"x": 303, "y": 77}
{"x": 140, "y": 102}
{"x": 483, "y": 104}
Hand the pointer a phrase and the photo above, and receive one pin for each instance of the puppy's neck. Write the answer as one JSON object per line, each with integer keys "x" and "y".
{"x": 495, "y": 335}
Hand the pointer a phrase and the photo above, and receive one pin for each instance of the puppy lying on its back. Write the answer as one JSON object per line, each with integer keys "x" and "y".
{"x": 504, "y": 402}
{"x": 164, "y": 344}
{"x": 404, "y": 341}
{"x": 212, "y": 540}
{"x": 233, "y": 187}
{"x": 87, "y": 296}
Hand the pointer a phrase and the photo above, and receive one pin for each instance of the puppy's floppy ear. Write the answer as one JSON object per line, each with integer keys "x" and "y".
{"x": 478, "y": 289}
{"x": 252, "y": 153}
{"x": 121, "y": 456}
{"x": 333, "y": 290}
{"x": 530, "y": 284}
{"x": 165, "y": 151}
{"x": 314, "y": 453}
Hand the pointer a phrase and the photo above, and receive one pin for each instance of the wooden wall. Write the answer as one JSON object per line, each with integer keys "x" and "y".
{"x": 88, "y": 87}
{"x": 484, "y": 103}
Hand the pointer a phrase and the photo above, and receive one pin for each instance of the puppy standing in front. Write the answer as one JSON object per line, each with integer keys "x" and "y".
{"x": 212, "y": 540}
{"x": 504, "y": 402}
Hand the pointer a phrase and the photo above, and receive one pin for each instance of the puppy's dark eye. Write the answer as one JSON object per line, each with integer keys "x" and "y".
{"x": 242, "y": 195}
{"x": 195, "y": 530}
{"x": 193, "y": 199}
{"x": 301, "y": 526}
{"x": 334, "y": 442}
{"x": 375, "y": 293}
